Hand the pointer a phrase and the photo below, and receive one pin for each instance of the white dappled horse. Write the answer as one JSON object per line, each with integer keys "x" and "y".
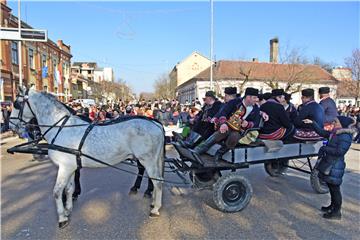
{"x": 136, "y": 138}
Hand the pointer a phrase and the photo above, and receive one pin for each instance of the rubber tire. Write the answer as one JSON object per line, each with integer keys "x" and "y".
{"x": 276, "y": 168}
{"x": 223, "y": 183}
{"x": 204, "y": 179}
{"x": 316, "y": 184}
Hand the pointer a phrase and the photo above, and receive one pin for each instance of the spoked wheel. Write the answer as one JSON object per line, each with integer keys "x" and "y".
{"x": 204, "y": 179}
{"x": 232, "y": 193}
{"x": 317, "y": 184}
{"x": 276, "y": 168}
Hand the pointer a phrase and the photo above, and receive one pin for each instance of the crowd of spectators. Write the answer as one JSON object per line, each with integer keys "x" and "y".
{"x": 168, "y": 112}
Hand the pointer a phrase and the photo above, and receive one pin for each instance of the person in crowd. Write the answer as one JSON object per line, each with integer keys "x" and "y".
{"x": 290, "y": 109}
{"x": 309, "y": 110}
{"x": 263, "y": 98}
{"x": 279, "y": 126}
{"x": 333, "y": 155}
{"x": 329, "y": 106}
{"x": 203, "y": 127}
{"x": 236, "y": 116}
{"x": 5, "y": 118}
{"x": 165, "y": 115}
{"x": 116, "y": 114}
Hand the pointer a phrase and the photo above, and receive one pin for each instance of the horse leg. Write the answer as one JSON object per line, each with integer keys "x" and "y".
{"x": 61, "y": 181}
{"x": 139, "y": 178}
{"x": 154, "y": 171}
{"x": 149, "y": 190}
{"x": 77, "y": 185}
{"x": 69, "y": 190}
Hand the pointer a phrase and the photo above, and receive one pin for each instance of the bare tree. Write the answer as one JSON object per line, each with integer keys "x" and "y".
{"x": 165, "y": 87}
{"x": 353, "y": 62}
{"x": 295, "y": 64}
{"x": 328, "y": 66}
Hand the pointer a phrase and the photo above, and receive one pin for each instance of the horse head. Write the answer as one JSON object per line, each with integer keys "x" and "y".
{"x": 21, "y": 114}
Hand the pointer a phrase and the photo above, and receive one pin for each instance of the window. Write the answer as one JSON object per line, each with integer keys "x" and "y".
{"x": 31, "y": 59}
{"x": 14, "y": 53}
{"x": 43, "y": 61}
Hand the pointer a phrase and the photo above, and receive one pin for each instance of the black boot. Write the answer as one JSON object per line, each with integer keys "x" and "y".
{"x": 193, "y": 140}
{"x": 336, "y": 215}
{"x": 204, "y": 146}
{"x": 327, "y": 209}
{"x": 220, "y": 152}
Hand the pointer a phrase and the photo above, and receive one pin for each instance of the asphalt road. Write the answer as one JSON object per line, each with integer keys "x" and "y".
{"x": 281, "y": 208}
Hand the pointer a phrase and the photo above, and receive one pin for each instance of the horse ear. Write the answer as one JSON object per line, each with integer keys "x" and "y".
{"x": 20, "y": 90}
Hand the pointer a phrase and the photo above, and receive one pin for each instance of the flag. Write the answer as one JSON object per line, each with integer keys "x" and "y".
{"x": 44, "y": 72}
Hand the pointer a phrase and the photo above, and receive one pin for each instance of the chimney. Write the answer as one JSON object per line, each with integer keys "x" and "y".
{"x": 255, "y": 60}
{"x": 274, "y": 50}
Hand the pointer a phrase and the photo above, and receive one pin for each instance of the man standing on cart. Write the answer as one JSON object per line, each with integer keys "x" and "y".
{"x": 234, "y": 118}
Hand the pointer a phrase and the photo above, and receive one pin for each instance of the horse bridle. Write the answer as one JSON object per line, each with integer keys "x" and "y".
{"x": 20, "y": 106}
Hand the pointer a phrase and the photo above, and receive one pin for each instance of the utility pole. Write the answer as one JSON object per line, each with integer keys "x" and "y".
{"x": 20, "y": 45}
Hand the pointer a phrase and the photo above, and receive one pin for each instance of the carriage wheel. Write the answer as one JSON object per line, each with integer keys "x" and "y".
{"x": 232, "y": 193}
{"x": 317, "y": 184}
{"x": 204, "y": 179}
{"x": 276, "y": 168}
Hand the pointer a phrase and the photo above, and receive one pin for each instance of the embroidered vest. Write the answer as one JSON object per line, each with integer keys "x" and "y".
{"x": 235, "y": 120}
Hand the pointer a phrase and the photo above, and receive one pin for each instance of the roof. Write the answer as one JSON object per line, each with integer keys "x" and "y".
{"x": 347, "y": 89}
{"x": 261, "y": 71}
{"x": 266, "y": 71}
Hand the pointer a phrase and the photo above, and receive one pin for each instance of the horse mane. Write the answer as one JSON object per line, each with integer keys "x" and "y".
{"x": 62, "y": 105}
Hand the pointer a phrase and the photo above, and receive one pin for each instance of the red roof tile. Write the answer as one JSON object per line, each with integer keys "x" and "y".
{"x": 266, "y": 71}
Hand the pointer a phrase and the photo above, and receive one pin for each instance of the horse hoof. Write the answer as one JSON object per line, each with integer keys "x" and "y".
{"x": 133, "y": 192}
{"x": 63, "y": 224}
{"x": 152, "y": 206}
{"x": 147, "y": 195}
{"x": 154, "y": 215}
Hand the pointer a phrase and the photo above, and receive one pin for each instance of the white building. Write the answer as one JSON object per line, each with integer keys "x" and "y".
{"x": 108, "y": 74}
{"x": 99, "y": 75}
{"x": 263, "y": 76}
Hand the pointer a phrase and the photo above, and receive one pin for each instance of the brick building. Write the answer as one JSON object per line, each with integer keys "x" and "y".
{"x": 45, "y": 65}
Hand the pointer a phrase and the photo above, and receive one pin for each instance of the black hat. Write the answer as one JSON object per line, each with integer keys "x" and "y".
{"x": 277, "y": 92}
{"x": 230, "y": 90}
{"x": 309, "y": 92}
{"x": 251, "y": 91}
{"x": 210, "y": 94}
{"x": 324, "y": 90}
{"x": 345, "y": 121}
{"x": 287, "y": 96}
{"x": 266, "y": 96}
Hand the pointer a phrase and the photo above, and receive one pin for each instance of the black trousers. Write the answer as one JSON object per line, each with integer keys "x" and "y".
{"x": 205, "y": 129}
{"x": 336, "y": 198}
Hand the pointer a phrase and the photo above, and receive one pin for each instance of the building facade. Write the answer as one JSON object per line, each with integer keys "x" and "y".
{"x": 263, "y": 76}
{"x": 191, "y": 66}
{"x": 45, "y": 65}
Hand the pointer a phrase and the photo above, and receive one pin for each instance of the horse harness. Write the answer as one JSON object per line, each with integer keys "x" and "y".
{"x": 77, "y": 152}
